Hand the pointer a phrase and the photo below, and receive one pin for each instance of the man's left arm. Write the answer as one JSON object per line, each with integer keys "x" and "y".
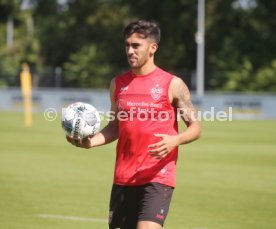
{"x": 180, "y": 97}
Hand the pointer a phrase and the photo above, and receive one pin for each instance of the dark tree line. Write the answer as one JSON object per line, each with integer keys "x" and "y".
{"x": 84, "y": 39}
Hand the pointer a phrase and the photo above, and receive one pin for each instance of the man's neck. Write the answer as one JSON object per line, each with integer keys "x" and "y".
{"x": 144, "y": 70}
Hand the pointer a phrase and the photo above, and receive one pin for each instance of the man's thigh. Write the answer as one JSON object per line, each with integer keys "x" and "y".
{"x": 123, "y": 207}
{"x": 142, "y": 207}
{"x": 154, "y": 205}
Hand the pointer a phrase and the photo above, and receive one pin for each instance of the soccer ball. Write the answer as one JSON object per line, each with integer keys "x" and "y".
{"x": 80, "y": 120}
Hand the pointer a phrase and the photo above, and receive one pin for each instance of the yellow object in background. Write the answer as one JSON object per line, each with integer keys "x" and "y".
{"x": 26, "y": 88}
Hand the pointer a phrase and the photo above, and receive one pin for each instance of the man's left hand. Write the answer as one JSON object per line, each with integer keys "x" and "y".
{"x": 162, "y": 148}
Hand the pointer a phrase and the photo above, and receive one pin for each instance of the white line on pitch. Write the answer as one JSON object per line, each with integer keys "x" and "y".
{"x": 76, "y": 218}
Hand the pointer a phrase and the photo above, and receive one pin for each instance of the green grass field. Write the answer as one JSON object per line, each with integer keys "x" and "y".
{"x": 226, "y": 180}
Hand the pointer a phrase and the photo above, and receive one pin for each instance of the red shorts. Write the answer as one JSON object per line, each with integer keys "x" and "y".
{"x": 130, "y": 204}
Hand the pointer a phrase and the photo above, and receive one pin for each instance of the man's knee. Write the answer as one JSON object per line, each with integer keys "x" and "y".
{"x": 148, "y": 225}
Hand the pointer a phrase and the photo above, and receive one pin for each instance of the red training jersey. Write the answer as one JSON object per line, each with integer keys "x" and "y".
{"x": 144, "y": 110}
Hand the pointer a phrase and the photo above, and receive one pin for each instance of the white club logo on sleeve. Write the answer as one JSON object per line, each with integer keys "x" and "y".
{"x": 124, "y": 88}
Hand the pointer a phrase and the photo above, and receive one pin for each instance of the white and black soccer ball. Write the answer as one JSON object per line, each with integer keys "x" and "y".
{"x": 80, "y": 120}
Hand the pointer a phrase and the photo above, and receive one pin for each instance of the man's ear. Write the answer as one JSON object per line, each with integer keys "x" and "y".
{"x": 153, "y": 48}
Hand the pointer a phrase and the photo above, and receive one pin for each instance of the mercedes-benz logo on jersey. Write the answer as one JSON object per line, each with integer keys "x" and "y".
{"x": 156, "y": 92}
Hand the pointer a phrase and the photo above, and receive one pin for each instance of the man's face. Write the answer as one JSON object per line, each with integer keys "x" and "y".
{"x": 139, "y": 50}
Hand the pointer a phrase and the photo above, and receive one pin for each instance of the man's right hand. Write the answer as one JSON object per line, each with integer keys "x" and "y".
{"x": 80, "y": 142}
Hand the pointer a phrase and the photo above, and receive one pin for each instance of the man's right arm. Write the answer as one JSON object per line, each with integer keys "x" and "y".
{"x": 108, "y": 134}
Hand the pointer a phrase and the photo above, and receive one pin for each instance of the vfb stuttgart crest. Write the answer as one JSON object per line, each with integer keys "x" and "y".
{"x": 156, "y": 92}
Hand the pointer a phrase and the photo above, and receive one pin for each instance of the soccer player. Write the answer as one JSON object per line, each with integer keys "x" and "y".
{"x": 145, "y": 101}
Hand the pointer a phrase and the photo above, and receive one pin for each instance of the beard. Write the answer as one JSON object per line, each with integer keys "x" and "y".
{"x": 138, "y": 63}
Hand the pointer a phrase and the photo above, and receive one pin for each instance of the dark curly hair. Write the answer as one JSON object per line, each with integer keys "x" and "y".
{"x": 146, "y": 28}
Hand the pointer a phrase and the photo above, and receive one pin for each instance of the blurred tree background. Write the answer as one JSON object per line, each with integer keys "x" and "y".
{"x": 79, "y": 43}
